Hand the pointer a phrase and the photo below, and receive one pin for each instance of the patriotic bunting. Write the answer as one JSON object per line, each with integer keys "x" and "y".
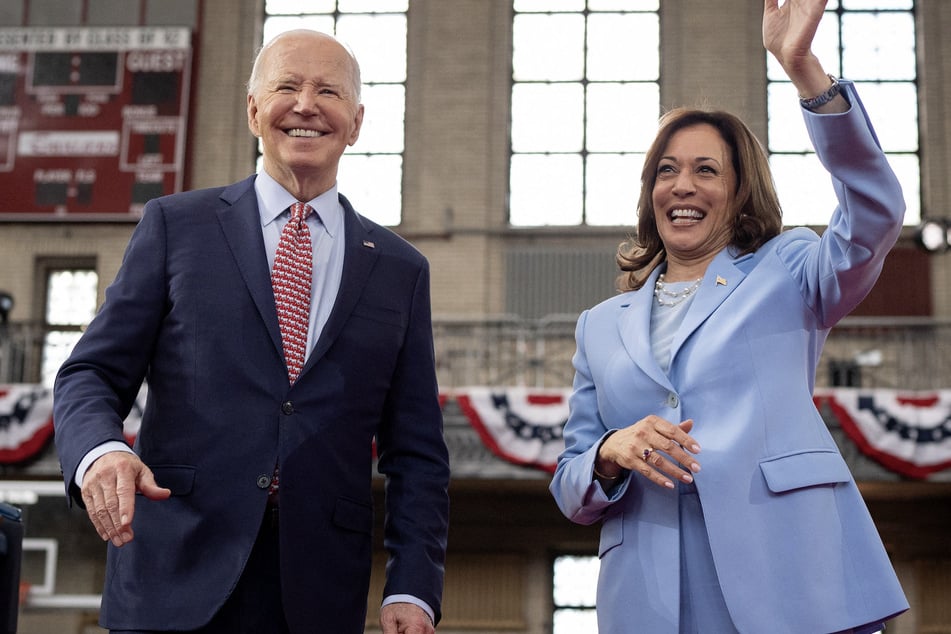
{"x": 26, "y": 421}
{"x": 908, "y": 433}
{"x": 517, "y": 424}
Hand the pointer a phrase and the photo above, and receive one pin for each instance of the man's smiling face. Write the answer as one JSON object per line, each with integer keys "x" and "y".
{"x": 304, "y": 106}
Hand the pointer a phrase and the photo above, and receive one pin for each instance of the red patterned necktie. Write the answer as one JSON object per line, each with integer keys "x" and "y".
{"x": 291, "y": 281}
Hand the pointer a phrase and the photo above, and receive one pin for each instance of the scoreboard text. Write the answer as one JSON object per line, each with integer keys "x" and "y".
{"x": 92, "y": 120}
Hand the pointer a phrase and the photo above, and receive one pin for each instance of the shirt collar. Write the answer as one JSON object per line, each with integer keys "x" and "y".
{"x": 274, "y": 200}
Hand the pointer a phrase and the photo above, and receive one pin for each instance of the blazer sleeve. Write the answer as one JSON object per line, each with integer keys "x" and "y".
{"x": 837, "y": 274}
{"x": 578, "y": 495}
{"x": 96, "y": 387}
{"x": 414, "y": 459}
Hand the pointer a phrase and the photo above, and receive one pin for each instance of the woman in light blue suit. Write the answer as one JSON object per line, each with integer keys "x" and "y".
{"x": 714, "y": 345}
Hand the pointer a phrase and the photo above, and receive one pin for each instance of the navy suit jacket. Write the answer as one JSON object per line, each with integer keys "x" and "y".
{"x": 192, "y": 311}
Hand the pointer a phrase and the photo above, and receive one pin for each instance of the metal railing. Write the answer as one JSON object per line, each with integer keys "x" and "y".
{"x": 900, "y": 353}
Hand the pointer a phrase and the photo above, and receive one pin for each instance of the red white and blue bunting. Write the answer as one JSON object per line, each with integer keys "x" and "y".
{"x": 521, "y": 425}
{"x": 26, "y": 421}
{"x": 908, "y": 433}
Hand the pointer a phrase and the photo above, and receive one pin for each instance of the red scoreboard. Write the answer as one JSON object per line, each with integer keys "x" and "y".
{"x": 92, "y": 120}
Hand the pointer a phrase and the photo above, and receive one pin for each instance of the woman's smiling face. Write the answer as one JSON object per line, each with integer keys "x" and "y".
{"x": 693, "y": 194}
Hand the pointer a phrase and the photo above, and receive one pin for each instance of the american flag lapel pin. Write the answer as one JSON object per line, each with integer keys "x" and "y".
{"x": 369, "y": 244}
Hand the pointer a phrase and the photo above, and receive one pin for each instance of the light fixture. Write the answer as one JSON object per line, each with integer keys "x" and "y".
{"x": 934, "y": 235}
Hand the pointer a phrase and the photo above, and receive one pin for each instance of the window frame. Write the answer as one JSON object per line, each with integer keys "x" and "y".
{"x": 619, "y": 195}
{"x": 816, "y": 177}
{"x": 361, "y": 190}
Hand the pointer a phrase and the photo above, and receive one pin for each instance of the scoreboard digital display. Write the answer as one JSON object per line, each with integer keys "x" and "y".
{"x": 92, "y": 120}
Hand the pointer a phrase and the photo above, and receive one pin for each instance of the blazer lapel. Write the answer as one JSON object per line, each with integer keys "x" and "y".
{"x": 360, "y": 255}
{"x": 634, "y": 325}
{"x": 241, "y": 223}
{"x": 723, "y": 276}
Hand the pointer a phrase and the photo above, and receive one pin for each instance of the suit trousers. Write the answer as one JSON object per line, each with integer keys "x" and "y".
{"x": 254, "y": 606}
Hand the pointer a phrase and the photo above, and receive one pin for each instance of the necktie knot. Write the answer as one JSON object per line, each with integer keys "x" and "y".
{"x": 299, "y": 212}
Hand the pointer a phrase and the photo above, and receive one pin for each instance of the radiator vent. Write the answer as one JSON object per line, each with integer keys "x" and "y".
{"x": 548, "y": 281}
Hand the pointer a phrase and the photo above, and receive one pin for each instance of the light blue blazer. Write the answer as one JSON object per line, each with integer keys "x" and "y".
{"x": 794, "y": 546}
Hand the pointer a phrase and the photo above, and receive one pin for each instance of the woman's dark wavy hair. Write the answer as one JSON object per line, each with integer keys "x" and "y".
{"x": 757, "y": 216}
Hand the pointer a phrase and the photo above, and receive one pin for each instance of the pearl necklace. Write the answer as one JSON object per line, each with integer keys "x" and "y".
{"x": 667, "y": 297}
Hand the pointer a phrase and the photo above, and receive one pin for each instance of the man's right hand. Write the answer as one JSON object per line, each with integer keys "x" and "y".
{"x": 108, "y": 491}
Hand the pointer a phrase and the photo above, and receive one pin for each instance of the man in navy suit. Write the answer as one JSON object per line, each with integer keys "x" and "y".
{"x": 200, "y": 541}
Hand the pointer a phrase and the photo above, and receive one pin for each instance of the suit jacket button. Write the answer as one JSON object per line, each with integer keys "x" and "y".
{"x": 673, "y": 400}
{"x": 287, "y": 407}
{"x": 264, "y": 481}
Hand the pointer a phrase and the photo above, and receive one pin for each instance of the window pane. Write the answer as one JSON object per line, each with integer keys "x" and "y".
{"x": 275, "y": 25}
{"x": 623, "y": 5}
{"x": 71, "y": 297}
{"x": 373, "y": 185}
{"x": 909, "y": 175}
{"x": 575, "y": 622}
{"x": 878, "y": 46}
{"x": 382, "y": 131}
{"x": 584, "y": 82}
{"x": 877, "y": 4}
{"x": 623, "y": 46}
{"x": 548, "y": 47}
{"x": 379, "y": 43}
{"x": 786, "y": 129}
{"x": 613, "y": 186}
{"x": 297, "y": 6}
{"x": 804, "y": 188}
{"x": 575, "y": 581}
{"x": 56, "y": 348}
{"x": 548, "y": 5}
{"x": 622, "y": 117}
{"x": 372, "y": 6}
{"x": 893, "y": 109}
{"x": 547, "y": 117}
{"x": 545, "y": 190}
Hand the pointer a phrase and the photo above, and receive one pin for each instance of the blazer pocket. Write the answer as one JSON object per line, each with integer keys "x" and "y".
{"x": 802, "y": 469}
{"x": 612, "y": 534}
{"x": 353, "y": 516}
{"x": 180, "y": 479}
{"x": 379, "y": 313}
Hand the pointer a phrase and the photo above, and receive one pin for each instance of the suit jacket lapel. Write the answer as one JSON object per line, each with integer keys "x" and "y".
{"x": 723, "y": 276}
{"x": 360, "y": 255}
{"x": 634, "y": 324}
{"x": 240, "y": 221}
